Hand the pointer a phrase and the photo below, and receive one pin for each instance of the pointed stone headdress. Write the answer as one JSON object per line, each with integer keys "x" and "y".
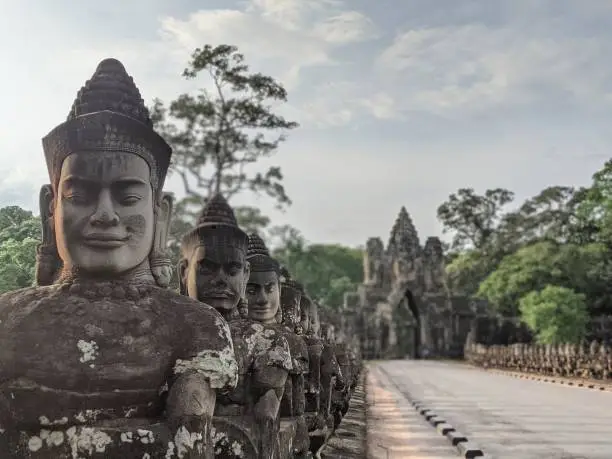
{"x": 287, "y": 282}
{"x": 259, "y": 257}
{"x": 217, "y": 226}
{"x": 108, "y": 115}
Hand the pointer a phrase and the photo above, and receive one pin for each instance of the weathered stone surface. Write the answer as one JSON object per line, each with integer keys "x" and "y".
{"x": 509, "y": 417}
{"x": 349, "y": 439}
{"x": 404, "y": 307}
{"x": 395, "y": 428}
{"x": 98, "y": 360}
{"x": 215, "y": 269}
{"x": 592, "y": 362}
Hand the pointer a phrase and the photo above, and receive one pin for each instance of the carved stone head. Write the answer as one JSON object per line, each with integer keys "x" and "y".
{"x": 291, "y": 297}
{"x": 213, "y": 266}
{"x": 373, "y": 261}
{"x": 263, "y": 287}
{"x": 305, "y": 305}
{"x": 104, "y": 214}
{"x": 315, "y": 323}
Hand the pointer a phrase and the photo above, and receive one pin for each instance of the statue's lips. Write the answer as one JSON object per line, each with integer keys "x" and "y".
{"x": 105, "y": 241}
{"x": 218, "y": 295}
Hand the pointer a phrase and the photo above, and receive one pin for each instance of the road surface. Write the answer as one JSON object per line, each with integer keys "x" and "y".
{"x": 509, "y": 418}
{"x": 395, "y": 429}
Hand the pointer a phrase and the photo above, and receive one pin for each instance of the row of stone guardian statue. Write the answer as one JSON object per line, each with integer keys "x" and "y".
{"x": 102, "y": 360}
{"x": 593, "y": 361}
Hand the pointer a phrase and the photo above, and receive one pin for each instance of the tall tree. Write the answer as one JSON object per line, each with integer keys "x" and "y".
{"x": 555, "y": 314}
{"x": 327, "y": 271}
{"x": 471, "y": 217}
{"x": 20, "y": 233}
{"x": 218, "y": 133}
{"x": 550, "y": 215}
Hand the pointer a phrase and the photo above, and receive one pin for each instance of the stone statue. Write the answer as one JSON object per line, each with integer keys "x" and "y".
{"x": 373, "y": 262}
{"x": 214, "y": 269}
{"x": 326, "y": 370}
{"x": 100, "y": 361}
{"x": 434, "y": 267}
{"x": 293, "y": 404}
{"x": 331, "y": 374}
{"x": 340, "y": 389}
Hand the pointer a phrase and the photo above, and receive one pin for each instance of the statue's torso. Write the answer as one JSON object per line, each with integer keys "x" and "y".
{"x": 298, "y": 348}
{"x": 69, "y": 355}
{"x": 256, "y": 346}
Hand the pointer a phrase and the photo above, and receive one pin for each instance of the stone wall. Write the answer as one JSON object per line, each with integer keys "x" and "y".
{"x": 591, "y": 361}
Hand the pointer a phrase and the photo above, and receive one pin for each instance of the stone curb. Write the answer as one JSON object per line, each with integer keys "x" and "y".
{"x": 584, "y": 384}
{"x": 349, "y": 439}
{"x": 466, "y": 448}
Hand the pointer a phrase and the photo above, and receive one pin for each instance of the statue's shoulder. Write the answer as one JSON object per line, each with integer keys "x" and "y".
{"x": 200, "y": 319}
{"x": 25, "y": 296}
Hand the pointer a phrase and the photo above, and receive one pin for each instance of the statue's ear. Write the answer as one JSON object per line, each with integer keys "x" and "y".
{"x": 164, "y": 217}
{"x": 181, "y": 271}
{"x": 48, "y": 263}
{"x": 45, "y": 203}
{"x": 247, "y": 274}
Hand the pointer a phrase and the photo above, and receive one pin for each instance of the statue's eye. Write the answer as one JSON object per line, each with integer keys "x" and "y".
{"x": 77, "y": 198}
{"x": 129, "y": 200}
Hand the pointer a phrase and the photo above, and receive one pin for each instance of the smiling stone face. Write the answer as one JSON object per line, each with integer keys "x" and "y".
{"x": 263, "y": 295}
{"x": 217, "y": 275}
{"x": 103, "y": 212}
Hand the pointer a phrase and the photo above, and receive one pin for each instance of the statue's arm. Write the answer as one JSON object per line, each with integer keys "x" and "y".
{"x": 207, "y": 365}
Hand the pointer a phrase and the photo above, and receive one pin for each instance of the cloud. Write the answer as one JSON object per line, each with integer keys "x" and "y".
{"x": 475, "y": 67}
{"x": 461, "y": 59}
{"x": 281, "y": 37}
{"x": 347, "y": 27}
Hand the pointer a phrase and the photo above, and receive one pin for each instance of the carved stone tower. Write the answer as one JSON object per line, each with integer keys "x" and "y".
{"x": 404, "y": 306}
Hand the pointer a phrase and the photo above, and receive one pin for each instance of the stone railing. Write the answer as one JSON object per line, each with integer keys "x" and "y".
{"x": 589, "y": 361}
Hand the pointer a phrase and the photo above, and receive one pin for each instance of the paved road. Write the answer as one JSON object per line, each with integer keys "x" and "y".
{"x": 395, "y": 429}
{"x": 510, "y": 418}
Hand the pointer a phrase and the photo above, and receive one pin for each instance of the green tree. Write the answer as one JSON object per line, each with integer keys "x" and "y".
{"x": 17, "y": 263}
{"x": 473, "y": 218}
{"x": 555, "y": 314}
{"x": 20, "y": 233}
{"x": 327, "y": 271}
{"x": 217, "y": 134}
{"x": 550, "y": 215}
{"x": 529, "y": 268}
{"x": 466, "y": 271}
{"x": 594, "y": 211}
{"x": 584, "y": 269}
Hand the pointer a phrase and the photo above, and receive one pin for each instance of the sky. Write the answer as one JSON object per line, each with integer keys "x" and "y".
{"x": 400, "y": 102}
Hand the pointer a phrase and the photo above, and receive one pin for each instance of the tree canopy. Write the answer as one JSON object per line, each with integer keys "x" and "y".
{"x": 555, "y": 246}
{"x": 20, "y": 234}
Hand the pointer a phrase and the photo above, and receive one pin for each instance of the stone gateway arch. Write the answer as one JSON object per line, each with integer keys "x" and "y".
{"x": 404, "y": 307}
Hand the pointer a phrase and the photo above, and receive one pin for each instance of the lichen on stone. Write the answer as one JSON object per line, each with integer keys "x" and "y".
{"x": 146, "y": 436}
{"x": 87, "y": 440}
{"x": 170, "y": 450}
{"x": 44, "y": 421}
{"x": 219, "y": 367}
{"x": 237, "y": 449}
{"x": 89, "y": 351}
{"x": 186, "y": 441}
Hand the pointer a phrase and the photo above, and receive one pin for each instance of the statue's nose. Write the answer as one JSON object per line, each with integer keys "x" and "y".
{"x": 105, "y": 214}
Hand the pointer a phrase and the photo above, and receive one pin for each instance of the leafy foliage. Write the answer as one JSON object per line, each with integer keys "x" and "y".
{"x": 218, "y": 134}
{"x": 327, "y": 271}
{"x": 19, "y": 236}
{"x": 473, "y": 218}
{"x": 556, "y": 314}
